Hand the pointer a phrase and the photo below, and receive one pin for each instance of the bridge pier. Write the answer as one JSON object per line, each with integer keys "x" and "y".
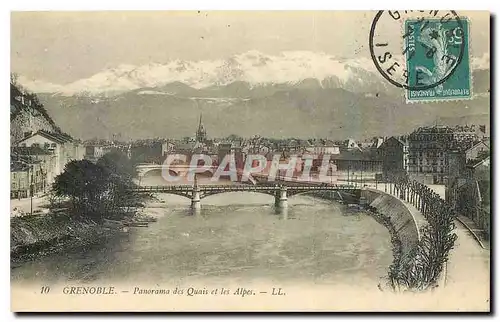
{"x": 281, "y": 199}
{"x": 284, "y": 213}
{"x": 196, "y": 200}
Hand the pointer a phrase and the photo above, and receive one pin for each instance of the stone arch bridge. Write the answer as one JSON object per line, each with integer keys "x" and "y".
{"x": 174, "y": 169}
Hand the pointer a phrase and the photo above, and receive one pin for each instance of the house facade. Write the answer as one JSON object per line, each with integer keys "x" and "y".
{"x": 47, "y": 161}
{"x": 394, "y": 155}
{"x": 64, "y": 148}
{"x": 428, "y": 149}
{"x": 26, "y": 177}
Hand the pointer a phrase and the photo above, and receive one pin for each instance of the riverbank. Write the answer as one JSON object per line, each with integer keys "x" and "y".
{"x": 397, "y": 248}
{"x": 38, "y": 235}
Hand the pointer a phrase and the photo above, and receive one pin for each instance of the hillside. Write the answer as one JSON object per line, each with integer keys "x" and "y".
{"x": 313, "y": 112}
{"x": 292, "y": 94}
{"x": 27, "y": 114}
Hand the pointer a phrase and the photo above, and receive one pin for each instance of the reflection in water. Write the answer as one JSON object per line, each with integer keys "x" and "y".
{"x": 236, "y": 236}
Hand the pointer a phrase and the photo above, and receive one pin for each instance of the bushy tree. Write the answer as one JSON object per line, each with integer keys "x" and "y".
{"x": 118, "y": 163}
{"x": 85, "y": 184}
{"x": 97, "y": 190}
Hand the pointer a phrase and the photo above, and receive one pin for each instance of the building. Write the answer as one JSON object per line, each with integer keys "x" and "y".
{"x": 322, "y": 147}
{"x": 167, "y": 147}
{"x": 258, "y": 145}
{"x": 394, "y": 155}
{"x": 39, "y": 149}
{"x": 235, "y": 149}
{"x": 19, "y": 180}
{"x": 468, "y": 189}
{"x": 147, "y": 151}
{"x": 46, "y": 158}
{"x": 224, "y": 149}
{"x": 358, "y": 165}
{"x": 428, "y": 149}
{"x": 184, "y": 148}
{"x": 63, "y": 146}
{"x": 377, "y": 142}
{"x": 350, "y": 145}
{"x": 480, "y": 148}
{"x": 95, "y": 152}
{"x": 26, "y": 177}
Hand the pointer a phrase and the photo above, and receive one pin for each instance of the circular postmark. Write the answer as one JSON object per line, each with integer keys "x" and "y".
{"x": 417, "y": 50}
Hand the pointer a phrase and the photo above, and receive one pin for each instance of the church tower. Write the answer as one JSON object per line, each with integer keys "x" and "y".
{"x": 201, "y": 133}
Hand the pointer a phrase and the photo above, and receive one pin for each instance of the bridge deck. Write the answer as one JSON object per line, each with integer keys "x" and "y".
{"x": 237, "y": 188}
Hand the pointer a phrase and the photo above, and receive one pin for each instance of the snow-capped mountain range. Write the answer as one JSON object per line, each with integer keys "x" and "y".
{"x": 253, "y": 68}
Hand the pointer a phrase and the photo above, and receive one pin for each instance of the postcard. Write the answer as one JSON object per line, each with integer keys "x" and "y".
{"x": 260, "y": 161}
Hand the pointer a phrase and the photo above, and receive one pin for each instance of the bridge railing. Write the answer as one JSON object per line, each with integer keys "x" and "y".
{"x": 242, "y": 187}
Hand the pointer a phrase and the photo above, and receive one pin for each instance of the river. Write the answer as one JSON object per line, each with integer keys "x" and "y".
{"x": 238, "y": 237}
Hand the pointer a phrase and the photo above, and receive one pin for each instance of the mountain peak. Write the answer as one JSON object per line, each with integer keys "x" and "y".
{"x": 252, "y": 67}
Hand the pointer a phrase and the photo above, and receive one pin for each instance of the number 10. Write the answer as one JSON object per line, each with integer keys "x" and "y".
{"x": 45, "y": 289}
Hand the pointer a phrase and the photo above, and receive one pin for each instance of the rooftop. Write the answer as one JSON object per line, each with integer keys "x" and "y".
{"x": 53, "y": 136}
{"x": 357, "y": 155}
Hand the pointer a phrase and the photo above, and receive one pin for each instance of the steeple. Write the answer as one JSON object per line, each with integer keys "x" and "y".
{"x": 201, "y": 133}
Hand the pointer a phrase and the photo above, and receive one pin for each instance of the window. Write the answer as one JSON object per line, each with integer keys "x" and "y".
{"x": 53, "y": 145}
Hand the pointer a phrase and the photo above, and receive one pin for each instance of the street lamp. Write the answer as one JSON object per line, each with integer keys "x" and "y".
{"x": 44, "y": 178}
{"x": 361, "y": 180}
{"x": 18, "y": 187}
{"x": 31, "y": 189}
{"x": 331, "y": 171}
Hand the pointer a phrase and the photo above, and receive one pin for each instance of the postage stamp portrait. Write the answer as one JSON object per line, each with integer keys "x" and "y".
{"x": 437, "y": 59}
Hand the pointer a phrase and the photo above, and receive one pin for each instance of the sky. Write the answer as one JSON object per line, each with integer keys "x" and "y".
{"x": 61, "y": 47}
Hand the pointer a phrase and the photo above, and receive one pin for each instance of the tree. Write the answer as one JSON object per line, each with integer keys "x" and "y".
{"x": 118, "y": 163}
{"x": 99, "y": 190}
{"x": 233, "y": 137}
{"x": 85, "y": 183}
{"x": 14, "y": 79}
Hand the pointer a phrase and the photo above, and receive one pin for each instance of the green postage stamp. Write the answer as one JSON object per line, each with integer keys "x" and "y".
{"x": 437, "y": 59}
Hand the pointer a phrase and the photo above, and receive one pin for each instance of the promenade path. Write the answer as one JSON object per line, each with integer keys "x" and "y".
{"x": 467, "y": 273}
{"x": 23, "y": 205}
